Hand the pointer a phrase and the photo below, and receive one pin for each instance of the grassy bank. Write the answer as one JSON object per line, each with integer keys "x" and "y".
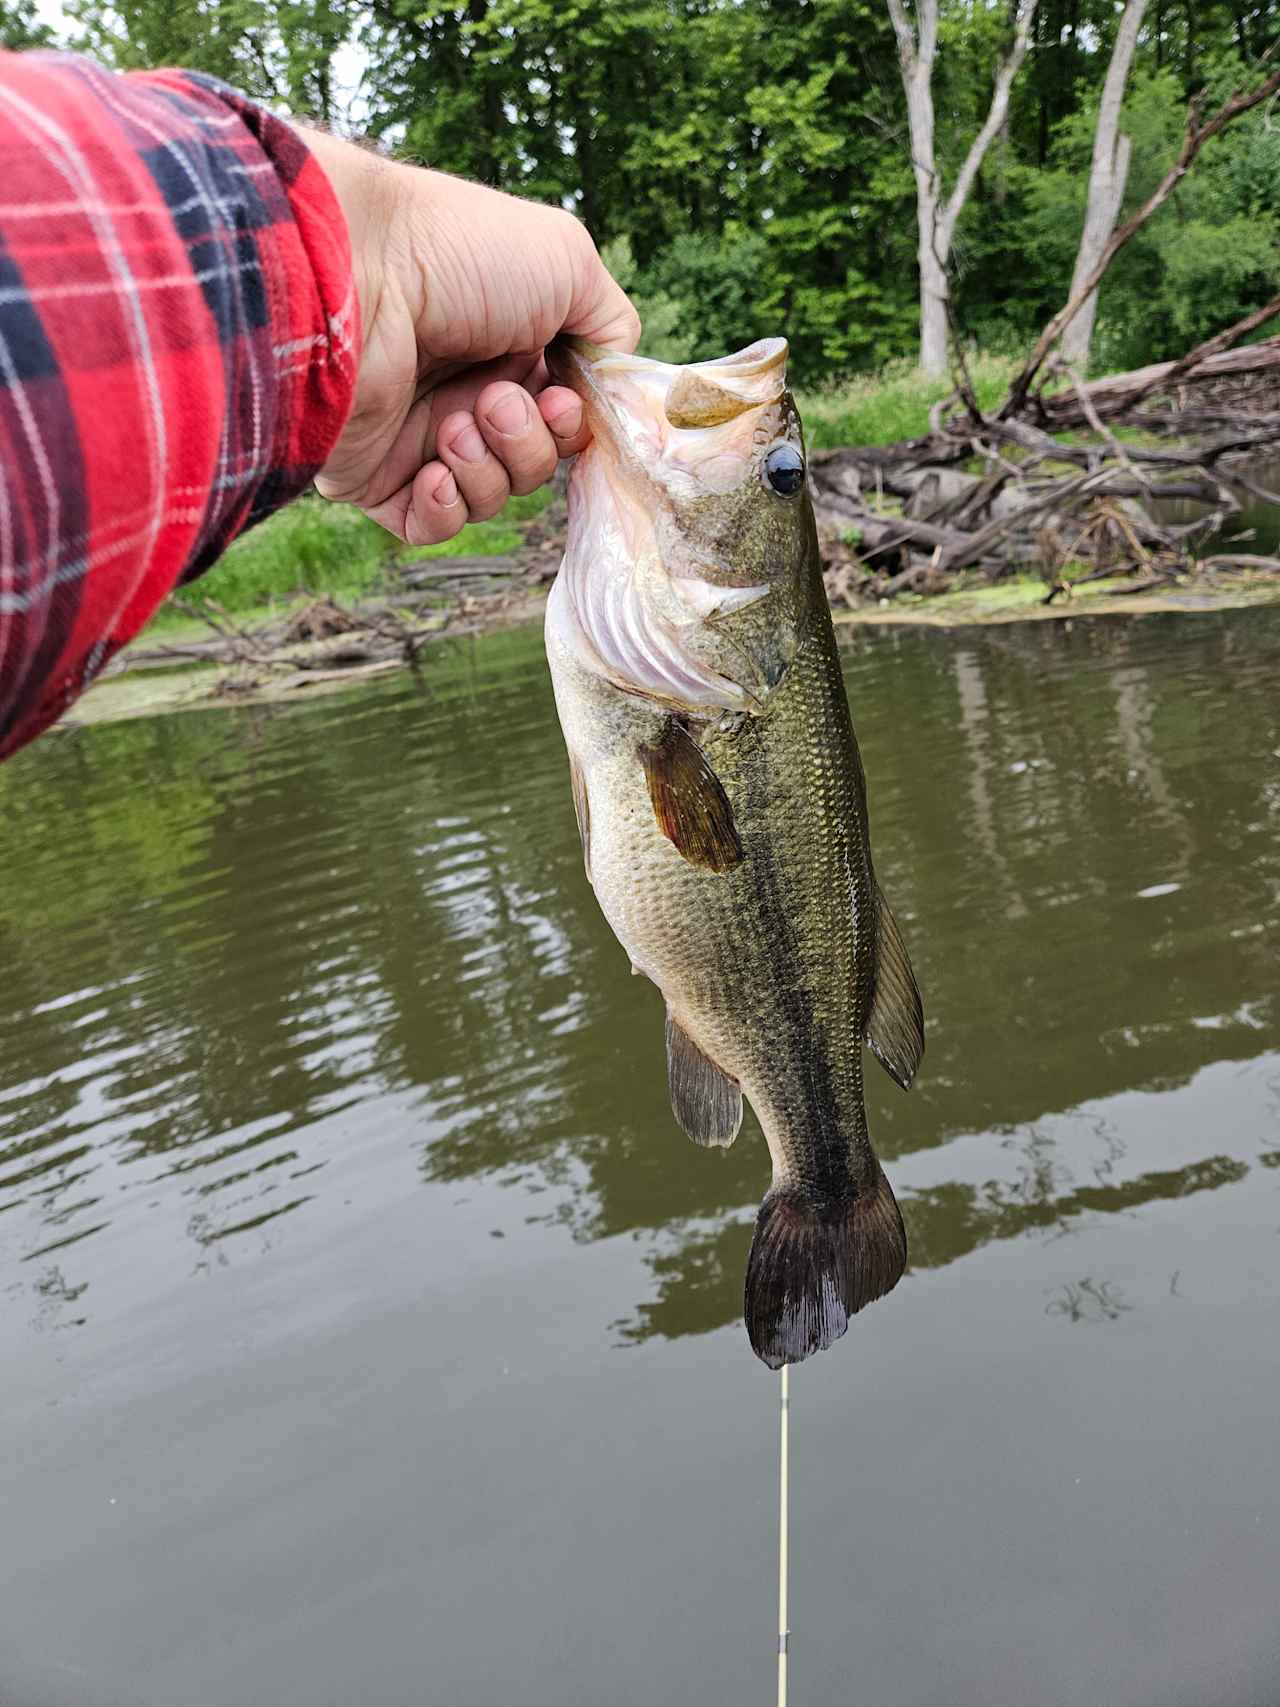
{"x": 316, "y": 549}
{"x": 892, "y": 404}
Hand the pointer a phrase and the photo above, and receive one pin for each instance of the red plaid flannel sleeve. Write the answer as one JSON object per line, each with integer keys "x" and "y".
{"x": 178, "y": 337}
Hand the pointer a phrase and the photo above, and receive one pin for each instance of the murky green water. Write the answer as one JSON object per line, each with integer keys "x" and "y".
{"x": 370, "y": 1335}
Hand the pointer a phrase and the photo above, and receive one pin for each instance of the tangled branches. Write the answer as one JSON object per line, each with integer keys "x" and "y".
{"x": 994, "y": 492}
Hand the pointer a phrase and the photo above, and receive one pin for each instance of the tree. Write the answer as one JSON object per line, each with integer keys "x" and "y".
{"x": 229, "y": 38}
{"x": 1107, "y": 177}
{"x": 19, "y": 26}
{"x": 936, "y": 215}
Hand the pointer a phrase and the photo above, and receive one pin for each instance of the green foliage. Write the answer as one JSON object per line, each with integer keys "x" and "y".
{"x": 311, "y": 547}
{"x": 1211, "y": 254}
{"x": 315, "y": 548}
{"x": 278, "y": 50}
{"x": 484, "y": 539}
{"x": 224, "y": 37}
{"x": 881, "y": 408}
{"x": 744, "y": 163}
{"x": 719, "y": 287}
{"x": 666, "y": 337}
{"x": 21, "y": 27}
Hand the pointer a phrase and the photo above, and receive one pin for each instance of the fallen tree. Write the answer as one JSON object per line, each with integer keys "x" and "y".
{"x": 1044, "y": 480}
{"x": 995, "y": 496}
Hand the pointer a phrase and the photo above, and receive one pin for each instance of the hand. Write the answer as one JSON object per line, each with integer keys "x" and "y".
{"x": 460, "y": 290}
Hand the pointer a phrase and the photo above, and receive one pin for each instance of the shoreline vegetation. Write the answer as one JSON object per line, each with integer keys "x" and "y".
{"x": 319, "y": 596}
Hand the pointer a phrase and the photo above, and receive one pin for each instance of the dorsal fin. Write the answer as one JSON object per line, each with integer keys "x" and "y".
{"x": 895, "y": 1025}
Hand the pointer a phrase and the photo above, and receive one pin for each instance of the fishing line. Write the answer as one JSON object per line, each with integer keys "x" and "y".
{"x": 784, "y": 1531}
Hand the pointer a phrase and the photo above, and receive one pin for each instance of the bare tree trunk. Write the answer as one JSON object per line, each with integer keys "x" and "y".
{"x": 916, "y": 49}
{"x": 935, "y": 216}
{"x": 1197, "y": 134}
{"x": 1107, "y": 179}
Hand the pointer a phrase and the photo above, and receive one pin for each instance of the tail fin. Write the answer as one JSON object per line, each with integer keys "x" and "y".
{"x": 810, "y": 1269}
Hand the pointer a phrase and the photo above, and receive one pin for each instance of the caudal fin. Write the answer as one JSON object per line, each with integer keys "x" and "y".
{"x": 810, "y": 1269}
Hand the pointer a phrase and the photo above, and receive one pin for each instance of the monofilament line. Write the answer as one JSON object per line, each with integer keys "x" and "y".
{"x": 784, "y": 1537}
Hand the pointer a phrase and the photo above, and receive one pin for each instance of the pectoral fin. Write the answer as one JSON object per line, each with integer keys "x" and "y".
{"x": 895, "y": 1028}
{"x": 581, "y": 810}
{"x": 705, "y": 1100}
{"x": 689, "y": 801}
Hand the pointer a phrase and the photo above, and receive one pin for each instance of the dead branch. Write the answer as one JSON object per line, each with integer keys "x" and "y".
{"x": 1253, "y": 361}
{"x": 1241, "y": 560}
{"x": 1117, "y": 400}
{"x": 1194, "y": 139}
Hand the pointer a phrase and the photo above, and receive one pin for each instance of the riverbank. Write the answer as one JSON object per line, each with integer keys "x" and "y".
{"x": 319, "y": 597}
{"x": 317, "y": 550}
{"x": 196, "y": 674}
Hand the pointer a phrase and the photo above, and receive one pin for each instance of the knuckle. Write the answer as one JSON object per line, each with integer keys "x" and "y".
{"x": 343, "y": 491}
{"x": 493, "y": 394}
{"x": 431, "y": 526}
{"x": 572, "y": 226}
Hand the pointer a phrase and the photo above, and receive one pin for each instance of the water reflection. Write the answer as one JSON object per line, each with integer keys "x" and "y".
{"x": 228, "y": 937}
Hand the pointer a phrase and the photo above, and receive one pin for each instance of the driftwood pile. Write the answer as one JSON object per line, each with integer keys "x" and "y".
{"x": 1045, "y": 478}
{"x": 1046, "y": 482}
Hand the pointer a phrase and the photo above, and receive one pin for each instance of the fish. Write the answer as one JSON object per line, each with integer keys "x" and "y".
{"x": 722, "y": 806}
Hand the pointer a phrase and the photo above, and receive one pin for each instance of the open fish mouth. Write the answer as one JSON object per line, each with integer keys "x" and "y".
{"x": 750, "y": 376}
{"x": 650, "y": 568}
{"x": 689, "y": 425}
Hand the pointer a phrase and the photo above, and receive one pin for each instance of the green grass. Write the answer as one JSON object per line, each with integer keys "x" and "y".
{"x": 893, "y": 404}
{"x": 307, "y": 549}
{"x": 312, "y": 548}
{"x": 485, "y": 539}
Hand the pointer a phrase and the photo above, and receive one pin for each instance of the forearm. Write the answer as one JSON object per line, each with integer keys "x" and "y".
{"x": 178, "y": 332}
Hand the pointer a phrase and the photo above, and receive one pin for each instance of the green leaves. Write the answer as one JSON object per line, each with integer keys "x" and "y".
{"x": 20, "y": 26}
{"x": 746, "y": 161}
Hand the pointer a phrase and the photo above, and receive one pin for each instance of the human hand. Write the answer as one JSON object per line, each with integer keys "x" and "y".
{"x": 460, "y": 288}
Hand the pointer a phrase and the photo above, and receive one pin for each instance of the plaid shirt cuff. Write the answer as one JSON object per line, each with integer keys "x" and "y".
{"x": 178, "y": 344}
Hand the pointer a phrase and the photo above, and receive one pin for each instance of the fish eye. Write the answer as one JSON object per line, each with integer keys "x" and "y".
{"x": 784, "y": 470}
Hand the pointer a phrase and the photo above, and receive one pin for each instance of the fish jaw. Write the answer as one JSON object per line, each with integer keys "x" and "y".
{"x": 686, "y": 430}
{"x": 652, "y": 582}
{"x": 626, "y": 619}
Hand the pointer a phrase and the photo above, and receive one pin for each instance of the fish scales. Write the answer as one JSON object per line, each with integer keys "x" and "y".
{"x": 722, "y": 803}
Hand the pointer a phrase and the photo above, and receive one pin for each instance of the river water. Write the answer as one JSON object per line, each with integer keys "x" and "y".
{"x": 370, "y": 1334}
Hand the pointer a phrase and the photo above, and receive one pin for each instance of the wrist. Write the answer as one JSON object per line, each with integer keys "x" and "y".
{"x": 368, "y": 190}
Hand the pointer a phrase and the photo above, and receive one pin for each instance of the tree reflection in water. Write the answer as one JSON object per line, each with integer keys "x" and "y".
{"x": 224, "y": 933}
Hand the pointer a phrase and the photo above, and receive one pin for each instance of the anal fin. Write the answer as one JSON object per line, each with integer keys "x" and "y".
{"x": 704, "y": 1099}
{"x": 689, "y": 800}
{"x": 895, "y": 1027}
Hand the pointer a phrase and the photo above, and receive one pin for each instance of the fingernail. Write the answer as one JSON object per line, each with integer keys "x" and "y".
{"x": 468, "y": 445}
{"x": 564, "y": 423}
{"x": 510, "y": 414}
{"x": 446, "y": 492}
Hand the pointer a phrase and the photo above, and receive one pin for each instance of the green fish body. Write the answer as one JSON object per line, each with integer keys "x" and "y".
{"x": 722, "y": 806}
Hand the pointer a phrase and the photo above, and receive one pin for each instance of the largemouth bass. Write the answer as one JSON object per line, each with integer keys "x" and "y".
{"x": 722, "y": 806}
